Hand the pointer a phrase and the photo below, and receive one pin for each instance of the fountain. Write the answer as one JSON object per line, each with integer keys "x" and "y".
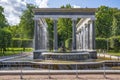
{"x": 83, "y": 36}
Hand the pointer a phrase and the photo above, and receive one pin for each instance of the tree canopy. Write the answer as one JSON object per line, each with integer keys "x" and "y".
{"x": 3, "y": 21}
{"x": 27, "y": 22}
{"x": 103, "y": 21}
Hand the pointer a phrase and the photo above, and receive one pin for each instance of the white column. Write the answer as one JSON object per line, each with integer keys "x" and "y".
{"x": 86, "y": 43}
{"x": 80, "y": 40}
{"x": 55, "y": 35}
{"x": 74, "y": 33}
{"x": 35, "y": 35}
{"x": 88, "y": 36}
{"x": 84, "y": 37}
{"x": 92, "y": 34}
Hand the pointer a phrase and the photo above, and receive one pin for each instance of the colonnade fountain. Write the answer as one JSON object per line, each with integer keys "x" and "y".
{"x": 83, "y": 33}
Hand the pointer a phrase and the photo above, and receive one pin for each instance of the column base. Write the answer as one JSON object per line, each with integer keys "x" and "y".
{"x": 55, "y": 50}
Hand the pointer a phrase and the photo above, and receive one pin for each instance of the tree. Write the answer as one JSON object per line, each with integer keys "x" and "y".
{"x": 3, "y": 21}
{"x": 64, "y": 28}
{"x": 15, "y": 31}
{"x": 104, "y": 17}
{"x": 5, "y": 39}
{"x": 116, "y": 24}
{"x": 27, "y": 22}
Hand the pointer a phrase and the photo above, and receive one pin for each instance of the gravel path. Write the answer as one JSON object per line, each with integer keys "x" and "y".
{"x": 62, "y": 77}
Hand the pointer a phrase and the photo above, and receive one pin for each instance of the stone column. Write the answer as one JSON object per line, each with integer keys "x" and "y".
{"x": 55, "y": 36}
{"x": 84, "y": 38}
{"x": 93, "y": 34}
{"x": 79, "y": 40}
{"x": 74, "y": 33}
{"x": 88, "y": 36}
{"x": 35, "y": 35}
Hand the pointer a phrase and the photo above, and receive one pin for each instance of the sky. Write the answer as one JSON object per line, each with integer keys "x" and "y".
{"x": 13, "y": 8}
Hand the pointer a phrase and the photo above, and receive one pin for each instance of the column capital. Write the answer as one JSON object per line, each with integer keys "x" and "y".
{"x": 86, "y": 25}
{"x": 55, "y": 18}
{"x": 74, "y": 18}
{"x": 91, "y": 20}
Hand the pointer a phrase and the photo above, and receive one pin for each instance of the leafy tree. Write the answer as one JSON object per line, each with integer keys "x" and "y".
{"x": 3, "y": 21}
{"x": 116, "y": 24}
{"x": 15, "y": 31}
{"x": 64, "y": 28}
{"x": 27, "y": 22}
{"x": 104, "y": 17}
{"x": 5, "y": 39}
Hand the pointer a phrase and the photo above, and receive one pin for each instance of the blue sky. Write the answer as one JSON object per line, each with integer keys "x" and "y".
{"x": 85, "y": 3}
{"x": 13, "y": 8}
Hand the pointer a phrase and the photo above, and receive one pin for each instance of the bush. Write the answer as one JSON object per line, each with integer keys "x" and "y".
{"x": 68, "y": 43}
{"x": 101, "y": 43}
{"x": 24, "y": 43}
{"x": 115, "y": 43}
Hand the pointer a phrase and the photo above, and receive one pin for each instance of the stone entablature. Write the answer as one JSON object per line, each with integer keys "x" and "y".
{"x": 64, "y": 12}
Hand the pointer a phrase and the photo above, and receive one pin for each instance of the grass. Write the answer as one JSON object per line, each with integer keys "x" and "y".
{"x": 14, "y": 51}
{"x": 111, "y": 53}
{"x": 114, "y": 53}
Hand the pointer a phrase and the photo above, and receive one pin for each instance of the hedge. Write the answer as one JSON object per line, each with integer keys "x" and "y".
{"x": 101, "y": 43}
{"x": 115, "y": 43}
{"x": 17, "y": 42}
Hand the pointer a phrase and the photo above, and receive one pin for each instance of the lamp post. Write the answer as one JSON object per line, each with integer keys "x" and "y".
{"x": 107, "y": 45}
{"x": 21, "y": 75}
{"x": 104, "y": 70}
{"x": 76, "y": 71}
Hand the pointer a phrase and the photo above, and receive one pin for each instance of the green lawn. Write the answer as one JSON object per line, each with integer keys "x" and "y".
{"x": 13, "y": 51}
{"x": 113, "y": 53}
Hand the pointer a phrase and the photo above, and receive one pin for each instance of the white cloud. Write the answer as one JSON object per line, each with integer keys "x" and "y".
{"x": 13, "y": 9}
{"x": 75, "y": 6}
{"x": 41, "y": 3}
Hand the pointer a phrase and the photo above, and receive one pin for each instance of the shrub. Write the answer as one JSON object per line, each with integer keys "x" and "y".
{"x": 115, "y": 43}
{"x": 101, "y": 43}
{"x": 68, "y": 43}
{"x": 17, "y": 42}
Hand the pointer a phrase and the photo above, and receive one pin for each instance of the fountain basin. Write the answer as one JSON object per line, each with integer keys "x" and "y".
{"x": 75, "y": 55}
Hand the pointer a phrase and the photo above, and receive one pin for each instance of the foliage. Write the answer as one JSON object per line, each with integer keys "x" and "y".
{"x": 15, "y": 31}
{"x": 116, "y": 24}
{"x": 14, "y": 51}
{"x": 64, "y": 28}
{"x": 22, "y": 43}
{"x": 3, "y": 21}
{"x": 27, "y": 22}
{"x": 101, "y": 43}
{"x": 115, "y": 43}
{"x": 68, "y": 43}
{"x": 5, "y": 39}
{"x": 104, "y": 17}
